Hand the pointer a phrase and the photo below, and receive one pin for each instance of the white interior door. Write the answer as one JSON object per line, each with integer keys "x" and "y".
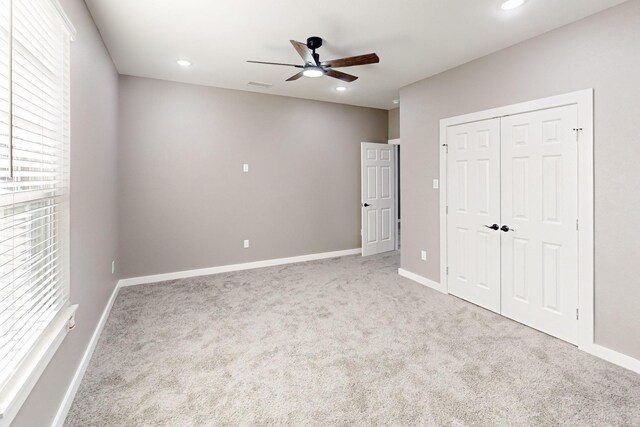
{"x": 473, "y": 195}
{"x": 540, "y": 209}
{"x": 378, "y": 198}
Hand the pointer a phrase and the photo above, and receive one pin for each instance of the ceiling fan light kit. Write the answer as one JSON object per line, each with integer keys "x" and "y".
{"x": 313, "y": 72}
{"x": 313, "y": 67}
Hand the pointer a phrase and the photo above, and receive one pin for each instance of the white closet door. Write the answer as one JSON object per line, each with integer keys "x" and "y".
{"x": 473, "y": 194}
{"x": 378, "y": 198}
{"x": 540, "y": 208}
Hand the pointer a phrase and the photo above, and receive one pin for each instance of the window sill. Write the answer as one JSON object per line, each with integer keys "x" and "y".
{"x": 16, "y": 391}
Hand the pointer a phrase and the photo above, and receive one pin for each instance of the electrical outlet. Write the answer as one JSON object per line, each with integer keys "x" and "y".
{"x": 246, "y": 244}
{"x": 245, "y": 167}
{"x": 423, "y": 255}
{"x": 113, "y": 267}
{"x": 72, "y": 322}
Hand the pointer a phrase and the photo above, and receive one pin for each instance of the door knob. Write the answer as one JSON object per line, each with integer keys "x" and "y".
{"x": 506, "y": 228}
{"x": 493, "y": 227}
{"x": 366, "y": 205}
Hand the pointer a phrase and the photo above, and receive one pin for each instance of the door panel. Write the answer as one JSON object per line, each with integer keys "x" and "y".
{"x": 540, "y": 204}
{"x": 378, "y": 192}
{"x": 372, "y": 222}
{"x": 473, "y": 191}
{"x": 372, "y": 182}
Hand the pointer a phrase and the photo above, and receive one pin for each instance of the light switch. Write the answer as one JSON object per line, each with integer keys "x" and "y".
{"x": 423, "y": 255}
{"x": 246, "y": 244}
{"x": 245, "y": 167}
{"x": 436, "y": 183}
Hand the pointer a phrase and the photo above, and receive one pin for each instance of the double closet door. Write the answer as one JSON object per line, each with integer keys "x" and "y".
{"x": 512, "y": 240}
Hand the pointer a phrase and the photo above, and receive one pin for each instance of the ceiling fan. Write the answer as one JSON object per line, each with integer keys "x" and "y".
{"x": 313, "y": 67}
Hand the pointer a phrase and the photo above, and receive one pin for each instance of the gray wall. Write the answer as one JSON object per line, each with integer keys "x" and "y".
{"x": 600, "y": 52}
{"x": 185, "y": 202}
{"x": 394, "y": 123}
{"x": 94, "y": 93}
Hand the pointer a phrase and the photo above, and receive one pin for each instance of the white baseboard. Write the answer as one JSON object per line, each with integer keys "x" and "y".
{"x": 422, "y": 280}
{"x": 63, "y": 410}
{"x": 609, "y": 355}
{"x": 604, "y": 353}
{"x": 234, "y": 267}
{"x": 61, "y": 415}
{"x": 613, "y": 356}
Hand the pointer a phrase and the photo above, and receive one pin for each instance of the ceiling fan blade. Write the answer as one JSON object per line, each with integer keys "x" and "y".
{"x": 275, "y": 63}
{"x": 295, "y": 77}
{"x": 369, "y": 58}
{"x": 304, "y": 52}
{"x": 340, "y": 75}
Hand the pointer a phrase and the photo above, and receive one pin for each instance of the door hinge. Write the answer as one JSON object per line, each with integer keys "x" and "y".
{"x": 446, "y": 148}
{"x": 577, "y": 131}
{"x": 447, "y": 269}
{"x": 577, "y": 225}
{"x": 577, "y": 313}
{"x": 446, "y": 209}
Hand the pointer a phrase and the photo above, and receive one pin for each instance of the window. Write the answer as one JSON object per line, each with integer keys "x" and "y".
{"x": 34, "y": 180}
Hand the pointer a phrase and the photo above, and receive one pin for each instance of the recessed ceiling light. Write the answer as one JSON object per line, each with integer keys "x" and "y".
{"x": 183, "y": 63}
{"x": 396, "y": 101}
{"x": 341, "y": 88}
{"x": 511, "y": 4}
{"x": 313, "y": 72}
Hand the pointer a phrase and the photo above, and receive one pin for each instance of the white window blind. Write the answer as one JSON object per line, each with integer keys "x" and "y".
{"x": 34, "y": 176}
{"x": 5, "y": 69}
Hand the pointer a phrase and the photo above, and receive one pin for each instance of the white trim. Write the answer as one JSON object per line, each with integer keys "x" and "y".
{"x": 613, "y": 356}
{"x": 16, "y": 391}
{"x": 234, "y": 267}
{"x": 65, "y": 19}
{"x": 63, "y": 410}
{"x": 65, "y": 405}
{"x": 394, "y": 141}
{"x": 422, "y": 280}
{"x": 599, "y": 351}
{"x": 523, "y": 107}
{"x": 396, "y": 201}
{"x": 607, "y": 354}
{"x": 442, "y": 180}
{"x": 586, "y": 207}
{"x": 584, "y": 101}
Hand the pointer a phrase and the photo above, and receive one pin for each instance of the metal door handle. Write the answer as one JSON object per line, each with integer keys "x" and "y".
{"x": 366, "y": 205}
{"x": 493, "y": 227}
{"x": 506, "y": 228}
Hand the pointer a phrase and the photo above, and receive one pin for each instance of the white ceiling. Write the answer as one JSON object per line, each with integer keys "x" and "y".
{"x": 413, "y": 38}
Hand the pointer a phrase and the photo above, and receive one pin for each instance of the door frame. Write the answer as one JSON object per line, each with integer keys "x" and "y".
{"x": 396, "y": 163}
{"x": 583, "y": 99}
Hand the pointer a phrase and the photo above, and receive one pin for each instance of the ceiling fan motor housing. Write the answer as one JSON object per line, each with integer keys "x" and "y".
{"x": 314, "y": 43}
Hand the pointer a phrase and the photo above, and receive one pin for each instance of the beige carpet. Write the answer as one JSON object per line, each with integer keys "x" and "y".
{"x": 338, "y": 342}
